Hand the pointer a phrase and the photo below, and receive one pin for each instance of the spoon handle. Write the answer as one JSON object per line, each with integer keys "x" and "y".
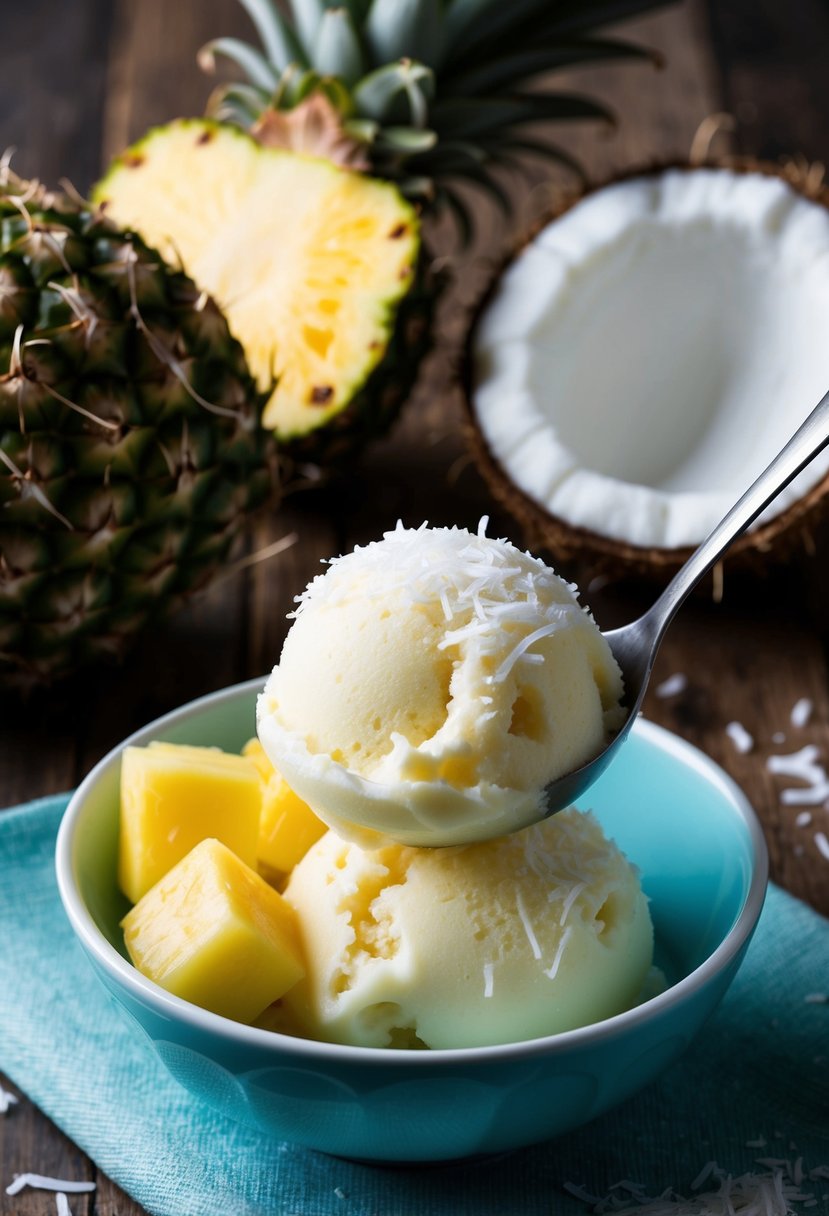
{"x": 808, "y": 440}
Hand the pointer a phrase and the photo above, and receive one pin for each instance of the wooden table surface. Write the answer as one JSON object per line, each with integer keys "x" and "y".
{"x": 78, "y": 81}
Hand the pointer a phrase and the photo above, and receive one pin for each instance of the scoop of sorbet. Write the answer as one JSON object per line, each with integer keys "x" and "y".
{"x": 528, "y": 935}
{"x": 432, "y": 684}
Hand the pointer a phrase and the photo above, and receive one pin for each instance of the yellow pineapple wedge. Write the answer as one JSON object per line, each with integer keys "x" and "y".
{"x": 287, "y": 826}
{"x": 311, "y": 263}
{"x": 216, "y": 934}
{"x": 172, "y": 797}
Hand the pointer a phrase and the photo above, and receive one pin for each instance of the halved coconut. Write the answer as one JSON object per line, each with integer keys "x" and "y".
{"x": 644, "y": 357}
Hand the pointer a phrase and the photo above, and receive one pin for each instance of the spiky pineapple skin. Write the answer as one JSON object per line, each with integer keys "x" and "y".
{"x": 130, "y": 451}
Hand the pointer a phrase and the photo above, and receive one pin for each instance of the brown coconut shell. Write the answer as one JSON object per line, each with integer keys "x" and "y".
{"x": 756, "y": 551}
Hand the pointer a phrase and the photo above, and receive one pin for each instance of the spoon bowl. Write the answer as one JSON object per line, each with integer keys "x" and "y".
{"x": 635, "y": 646}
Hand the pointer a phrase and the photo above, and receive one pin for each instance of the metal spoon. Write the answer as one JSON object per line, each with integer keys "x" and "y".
{"x": 635, "y": 645}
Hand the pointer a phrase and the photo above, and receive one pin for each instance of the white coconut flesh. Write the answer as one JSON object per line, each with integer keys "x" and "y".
{"x": 650, "y": 351}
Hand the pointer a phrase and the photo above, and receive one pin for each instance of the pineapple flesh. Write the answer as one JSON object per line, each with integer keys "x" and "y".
{"x": 214, "y": 933}
{"x": 174, "y": 796}
{"x": 309, "y": 262}
{"x": 287, "y": 825}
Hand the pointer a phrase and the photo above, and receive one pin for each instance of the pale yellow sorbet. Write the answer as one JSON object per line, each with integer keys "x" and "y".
{"x": 432, "y": 684}
{"x": 509, "y": 939}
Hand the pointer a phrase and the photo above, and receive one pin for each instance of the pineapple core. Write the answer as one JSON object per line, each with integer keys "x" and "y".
{"x": 287, "y": 826}
{"x": 216, "y": 934}
{"x": 173, "y": 797}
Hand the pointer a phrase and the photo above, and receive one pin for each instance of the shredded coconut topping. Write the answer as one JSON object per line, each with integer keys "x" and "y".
{"x": 519, "y": 651}
{"x": 484, "y": 586}
{"x": 552, "y": 971}
{"x": 801, "y": 712}
{"x": 575, "y": 892}
{"x": 525, "y": 921}
{"x": 7, "y": 1100}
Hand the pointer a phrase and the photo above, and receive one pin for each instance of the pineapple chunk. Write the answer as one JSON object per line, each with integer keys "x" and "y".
{"x": 287, "y": 826}
{"x": 214, "y": 933}
{"x": 173, "y": 796}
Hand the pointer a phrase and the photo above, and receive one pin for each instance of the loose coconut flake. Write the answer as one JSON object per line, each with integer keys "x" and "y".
{"x": 801, "y": 713}
{"x": 803, "y": 765}
{"x": 740, "y": 737}
{"x": 41, "y": 1182}
{"x": 771, "y": 1193}
{"x": 7, "y": 1100}
{"x": 673, "y": 686}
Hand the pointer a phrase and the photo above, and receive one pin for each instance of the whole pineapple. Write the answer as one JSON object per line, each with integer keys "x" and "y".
{"x": 130, "y": 450}
{"x": 320, "y": 267}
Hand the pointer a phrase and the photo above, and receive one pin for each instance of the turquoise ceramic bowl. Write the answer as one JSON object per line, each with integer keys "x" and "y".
{"x": 703, "y": 861}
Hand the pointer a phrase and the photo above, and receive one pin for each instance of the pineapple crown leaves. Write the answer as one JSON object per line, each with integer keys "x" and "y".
{"x": 432, "y": 89}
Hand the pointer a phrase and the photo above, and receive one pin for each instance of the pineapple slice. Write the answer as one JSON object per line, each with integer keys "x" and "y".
{"x": 214, "y": 933}
{"x": 287, "y": 826}
{"x": 307, "y": 261}
{"x": 172, "y": 797}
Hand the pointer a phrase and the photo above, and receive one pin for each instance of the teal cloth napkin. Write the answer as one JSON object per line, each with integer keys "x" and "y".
{"x": 759, "y": 1072}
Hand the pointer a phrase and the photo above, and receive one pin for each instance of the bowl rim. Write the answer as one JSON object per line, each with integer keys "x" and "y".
{"x": 238, "y": 1034}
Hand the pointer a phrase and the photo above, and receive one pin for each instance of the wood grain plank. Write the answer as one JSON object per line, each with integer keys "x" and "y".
{"x": 310, "y": 517}
{"x": 153, "y": 73}
{"x": 772, "y": 62}
{"x": 38, "y": 747}
{"x": 195, "y": 651}
{"x": 743, "y": 659}
{"x": 754, "y": 674}
{"x": 52, "y": 88}
{"x": 748, "y": 659}
{"x": 658, "y": 110}
{"x": 31, "y": 1144}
